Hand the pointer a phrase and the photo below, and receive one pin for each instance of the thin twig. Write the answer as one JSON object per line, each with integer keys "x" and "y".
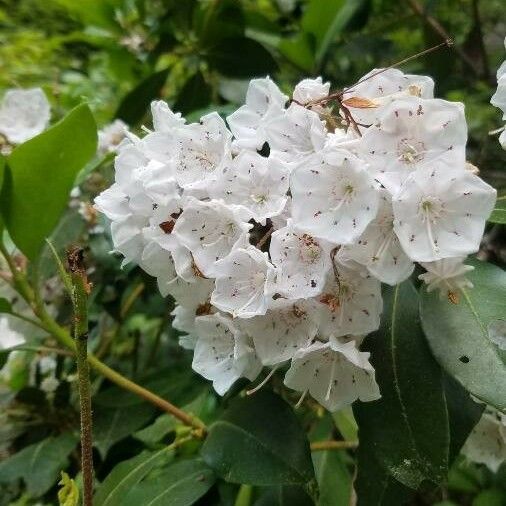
{"x": 80, "y": 290}
{"x": 439, "y": 30}
{"x": 319, "y": 446}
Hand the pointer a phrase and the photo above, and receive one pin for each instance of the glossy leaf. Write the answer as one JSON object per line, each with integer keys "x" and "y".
{"x": 499, "y": 213}
{"x": 374, "y": 485}
{"x": 289, "y": 495}
{"x": 241, "y": 57}
{"x": 408, "y": 426}
{"x": 39, "y": 465}
{"x": 260, "y": 441}
{"x": 112, "y": 425}
{"x": 134, "y": 106}
{"x": 458, "y": 333}
{"x": 126, "y": 475}
{"x": 180, "y": 484}
{"x": 40, "y": 175}
{"x": 195, "y": 95}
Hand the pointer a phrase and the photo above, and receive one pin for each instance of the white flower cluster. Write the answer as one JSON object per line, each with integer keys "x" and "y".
{"x": 274, "y": 234}
{"x": 499, "y": 99}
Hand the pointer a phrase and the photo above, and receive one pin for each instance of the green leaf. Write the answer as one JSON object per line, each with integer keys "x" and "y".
{"x": 326, "y": 19}
{"x": 499, "y": 213}
{"x": 180, "y": 484}
{"x": 260, "y": 441}
{"x": 134, "y": 106}
{"x": 112, "y": 425}
{"x": 412, "y": 440}
{"x": 127, "y": 474}
{"x": 5, "y": 306}
{"x": 40, "y": 175}
{"x": 373, "y": 484}
{"x": 298, "y": 50}
{"x": 195, "y": 95}
{"x": 463, "y": 414}
{"x": 241, "y": 57}
{"x": 458, "y": 333}
{"x": 39, "y": 464}
{"x": 289, "y": 495}
{"x": 218, "y": 20}
{"x": 332, "y": 475}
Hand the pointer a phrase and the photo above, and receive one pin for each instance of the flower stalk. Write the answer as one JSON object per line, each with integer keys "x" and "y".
{"x": 79, "y": 295}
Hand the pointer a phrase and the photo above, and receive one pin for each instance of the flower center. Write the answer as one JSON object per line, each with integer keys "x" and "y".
{"x": 410, "y": 150}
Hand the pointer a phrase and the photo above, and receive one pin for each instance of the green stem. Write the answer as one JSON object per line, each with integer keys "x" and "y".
{"x": 79, "y": 295}
{"x": 62, "y": 335}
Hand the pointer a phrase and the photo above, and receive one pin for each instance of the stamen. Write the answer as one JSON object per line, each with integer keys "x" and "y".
{"x": 264, "y": 382}
{"x": 301, "y": 400}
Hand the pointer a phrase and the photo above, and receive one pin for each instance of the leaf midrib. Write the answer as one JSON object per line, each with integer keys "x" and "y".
{"x": 261, "y": 443}
{"x": 396, "y": 377}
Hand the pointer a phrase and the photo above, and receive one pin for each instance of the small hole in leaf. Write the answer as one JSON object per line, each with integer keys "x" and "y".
{"x": 464, "y": 359}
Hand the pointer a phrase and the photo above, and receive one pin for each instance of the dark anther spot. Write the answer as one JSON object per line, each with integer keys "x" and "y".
{"x": 464, "y": 359}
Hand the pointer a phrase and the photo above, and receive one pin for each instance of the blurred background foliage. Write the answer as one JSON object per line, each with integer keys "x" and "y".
{"x": 199, "y": 55}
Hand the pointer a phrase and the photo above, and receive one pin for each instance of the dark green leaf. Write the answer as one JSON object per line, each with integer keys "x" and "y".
{"x": 260, "y": 441}
{"x": 180, "y": 484}
{"x": 289, "y": 495}
{"x": 112, "y": 425}
{"x": 40, "y": 175}
{"x": 179, "y": 385}
{"x": 5, "y": 306}
{"x": 39, "y": 465}
{"x": 412, "y": 440}
{"x": 241, "y": 57}
{"x": 373, "y": 485}
{"x": 126, "y": 475}
{"x": 299, "y": 51}
{"x": 195, "y": 94}
{"x": 326, "y": 19}
{"x": 134, "y": 106}
{"x": 458, "y": 333}
{"x": 218, "y": 20}
{"x": 499, "y": 213}
{"x": 463, "y": 414}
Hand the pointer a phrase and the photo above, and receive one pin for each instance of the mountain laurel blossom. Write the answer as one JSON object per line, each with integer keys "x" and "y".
{"x": 273, "y": 230}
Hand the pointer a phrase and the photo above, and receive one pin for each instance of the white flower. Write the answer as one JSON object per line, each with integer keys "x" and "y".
{"x": 264, "y": 101}
{"x": 296, "y": 135}
{"x": 243, "y": 282}
{"x": 164, "y": 120}
{"x": 441, "y": 212}
{"x": 335, "y": 373}
{"x": 158, "y": 263}
{"x": 199, "y": 150}
{"x": 286, "y": 327}
{"x": 9, "y": 337}
{"x": 333, "y": 198}
{"x": 114, "y": 203}
{"x": 414, "y": 133}
{"x": 309, "y": 90}
{"x": 23, "y": 114}
{"x": 380, "y": 87}
{"x": 259, "y": 184}
{"x": 193, "y": 299}
{"x": 350, "y": 303}
{"x": 222, "y": 353}
{"x": 111, "y": 136}
{"x": 210, "y": 230}
{"x": 302, "y": 263}
{"x": 378, "y": 248}
{"x": 487, "y": 442}
{"x": 49, "y": 384}
{"x": 128, "y": 239}
{"x": 447, "y": 275}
